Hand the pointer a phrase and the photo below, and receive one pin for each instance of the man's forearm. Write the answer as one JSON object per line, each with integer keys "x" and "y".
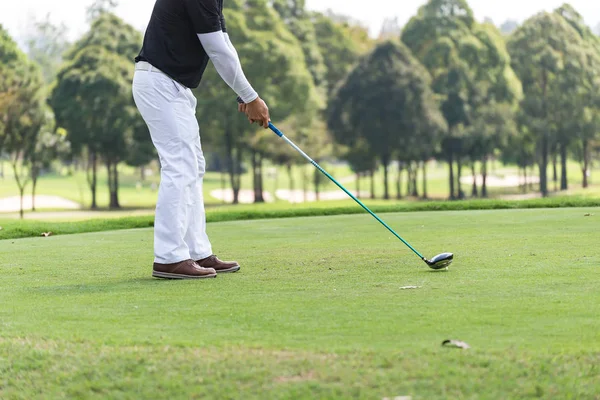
{"x": 227, "y": 63}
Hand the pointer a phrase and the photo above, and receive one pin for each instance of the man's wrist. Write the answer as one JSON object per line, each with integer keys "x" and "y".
{"x": 250, "y": 97}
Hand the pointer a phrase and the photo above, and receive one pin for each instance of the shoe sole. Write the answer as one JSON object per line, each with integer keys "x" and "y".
{"x": 229, "y": 270}
{"x": 166, "y": 275}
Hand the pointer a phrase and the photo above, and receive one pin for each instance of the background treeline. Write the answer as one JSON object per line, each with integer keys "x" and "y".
{"x": 443, "y": 87}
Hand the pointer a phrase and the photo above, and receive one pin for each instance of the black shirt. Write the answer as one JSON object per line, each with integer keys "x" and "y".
{"x": 171, "y": 42}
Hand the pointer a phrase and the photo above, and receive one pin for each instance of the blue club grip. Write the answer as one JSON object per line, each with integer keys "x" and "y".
{"x": 274, "y": 129}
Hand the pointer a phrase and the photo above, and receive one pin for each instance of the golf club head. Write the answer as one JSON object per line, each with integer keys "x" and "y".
{"x": 440, "y": 261}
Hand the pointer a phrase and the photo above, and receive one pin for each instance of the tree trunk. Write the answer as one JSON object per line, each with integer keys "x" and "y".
{"x": 111, "y": 168}
{"x": 474, "y": 192}
{"x": 543, "y": 166}
{"x": 258, "y": 197}
{"x": 461, "y": 194}
{"x": 399, "y": 181}
{"x": 554, "y": 172}
{"x": 236, "y": 184}
{"x": 372, "y": 184}
{"x": 451, "y": 175}
{"x": 94, "y": 186}
{"x": 358, "y": 185}
{"x": 114, "y": 195}
{"x": 424, "y": 166}
{"x": 34, "y": 179}
{"x": 525, "y": 177}
{"x": 261, "y": 182}
{"x": 143, "y": 173}
{"x": 386, "y": 188}
{"x": 223, "y": 186}
{"x": 232, "y": 162}
{"x": 21, "y": 209}
{"x": 415, "y": 173}
{"x": 317, "y": 182}
{"x": 409, "y": 179}
{"x": 543, "y": 163}
{"x": 564, "y": 183}
{"x": 484, "y": 191}
{"x": 304, "y": 184}
{"x": 93, "y": 179}
{"x": 586, "y": 163}
{"x": 21, "y": 183}
{"x": 109, "y": 181}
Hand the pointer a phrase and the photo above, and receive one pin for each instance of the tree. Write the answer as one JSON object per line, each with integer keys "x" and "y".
{"x": 140, "y": 149}
{"x": 92, "y": 98}
{"x": 520, "y": 148}
{"x": 435, "y": 36}
{"x": 21, "y": 109}
{"x": 305, "y": 127}
{"x": 12, "y": 61}
{"x": 362, "y": 161}
{"x": 541, "y": 49}
{"x": 101, "y": 7}
{"x": 92, "y": 101}
{"x": 341, "y": 45}
{"x": 470, "y": 67}
{"x": 50, "y": 145}
{"x": 298, "y": 21}
{"x": 274, "y": 62}
{"x": 23, "y": 125}
{"x": 579, "y": 90}
{"x": 494, "y": 98}
{"x": 393, "y": 89}
{"x": 318, "y": 143}
{"x": 45, "y": 44}
{"x": 493, "y": 128}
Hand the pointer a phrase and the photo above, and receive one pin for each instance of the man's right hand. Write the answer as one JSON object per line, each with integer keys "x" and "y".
{"x": 257, "y": 111}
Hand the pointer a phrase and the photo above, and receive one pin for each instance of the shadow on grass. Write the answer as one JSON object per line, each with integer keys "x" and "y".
{"x": 101, "y": 287}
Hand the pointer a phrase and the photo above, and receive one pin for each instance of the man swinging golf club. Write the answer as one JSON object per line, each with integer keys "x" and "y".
{"x": 181, "y": 38}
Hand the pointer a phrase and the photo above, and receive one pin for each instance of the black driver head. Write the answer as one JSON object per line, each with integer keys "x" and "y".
{"x": 440, "y": 261}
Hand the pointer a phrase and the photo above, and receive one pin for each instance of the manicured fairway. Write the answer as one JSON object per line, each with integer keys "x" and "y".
{"x": 317, "y": 311}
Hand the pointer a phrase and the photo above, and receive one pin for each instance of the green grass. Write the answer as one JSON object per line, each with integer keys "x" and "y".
{"x": 71, "y": 222}
{"x": 317, "y": 311}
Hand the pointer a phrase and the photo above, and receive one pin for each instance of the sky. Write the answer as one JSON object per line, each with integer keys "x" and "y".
{"x": 15, "y": 15}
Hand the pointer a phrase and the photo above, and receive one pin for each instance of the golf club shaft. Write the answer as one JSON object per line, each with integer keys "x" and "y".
{"x": 313, "y": 162}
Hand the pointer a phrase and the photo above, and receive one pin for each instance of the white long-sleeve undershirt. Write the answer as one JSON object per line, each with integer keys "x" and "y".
{"x": 227, "y": 63}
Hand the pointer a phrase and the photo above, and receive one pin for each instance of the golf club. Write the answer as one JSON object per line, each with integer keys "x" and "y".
{"x": 438, "y": 262}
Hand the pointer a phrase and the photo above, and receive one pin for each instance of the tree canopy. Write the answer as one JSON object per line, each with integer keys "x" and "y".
{"x": 387, "y": 101}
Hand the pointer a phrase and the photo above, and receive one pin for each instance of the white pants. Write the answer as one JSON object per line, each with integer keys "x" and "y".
{"x": 169, "y": 110}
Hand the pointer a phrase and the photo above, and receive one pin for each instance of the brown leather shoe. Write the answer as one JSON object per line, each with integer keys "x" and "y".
{"x": 218, "y": 265}
{"x": 187, "y": 269}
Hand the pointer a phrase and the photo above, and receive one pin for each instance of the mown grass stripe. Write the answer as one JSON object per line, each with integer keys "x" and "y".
{"x": 12, "y": 229}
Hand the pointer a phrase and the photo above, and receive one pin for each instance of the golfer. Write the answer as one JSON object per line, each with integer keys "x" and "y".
{"x": 182, "y": 36}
